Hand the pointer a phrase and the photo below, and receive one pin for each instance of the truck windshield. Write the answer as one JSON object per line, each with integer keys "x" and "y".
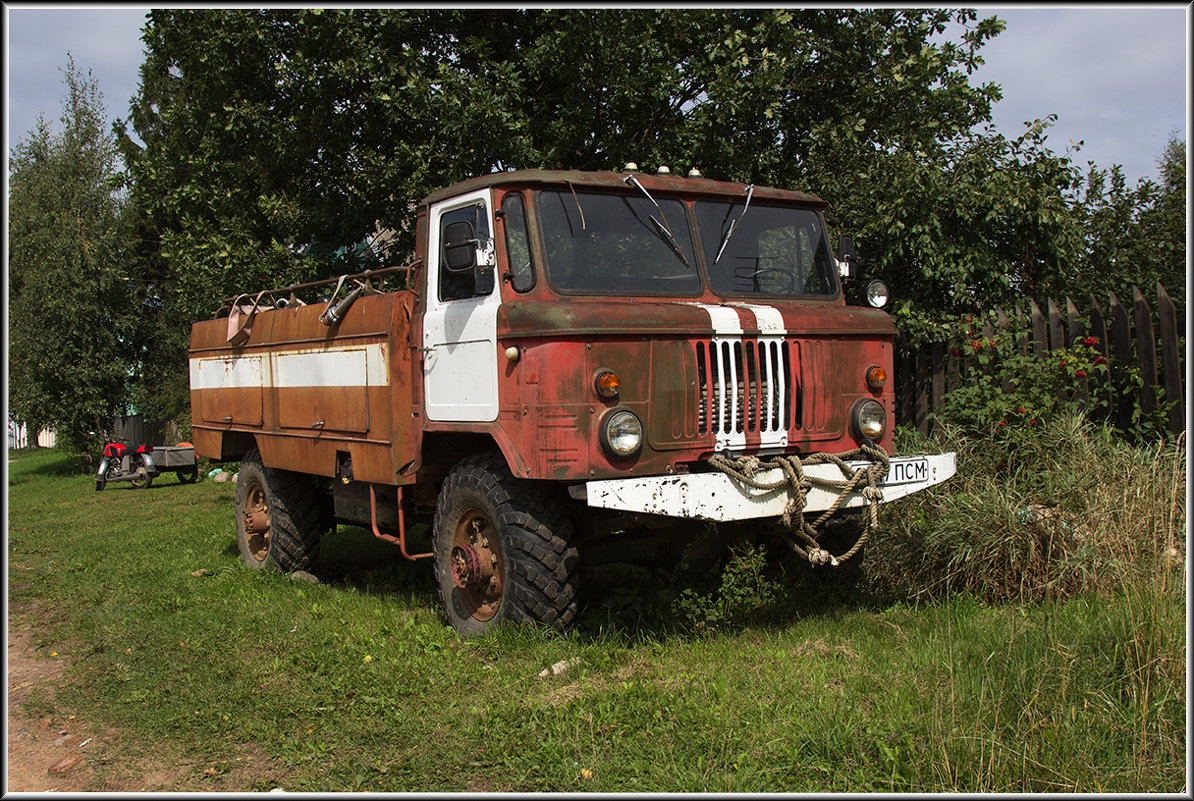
{"x": 608, "y": 244}
{"x": 774, "y": 250}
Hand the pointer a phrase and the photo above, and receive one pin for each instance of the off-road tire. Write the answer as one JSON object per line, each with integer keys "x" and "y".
{"x": 536, "y": 560}
{"x": 294, "y": 512}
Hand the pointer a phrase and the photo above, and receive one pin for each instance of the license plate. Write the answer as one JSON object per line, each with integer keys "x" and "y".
{"x": 907, "y": 471}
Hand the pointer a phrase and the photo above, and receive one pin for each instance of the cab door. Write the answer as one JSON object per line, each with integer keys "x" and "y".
{"x": 460, "y": 367}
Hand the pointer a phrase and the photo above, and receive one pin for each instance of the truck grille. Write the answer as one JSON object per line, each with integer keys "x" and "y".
{"x": 746, "y": 387}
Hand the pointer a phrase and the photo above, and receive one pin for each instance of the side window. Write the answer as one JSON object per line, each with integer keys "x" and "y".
{"x": 518, "y": 249}
{"x": 456, "y": 228}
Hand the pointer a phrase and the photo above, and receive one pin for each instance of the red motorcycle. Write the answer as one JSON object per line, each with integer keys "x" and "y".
{"x": 121, "y": 464}
{"x": 143, "y": 465}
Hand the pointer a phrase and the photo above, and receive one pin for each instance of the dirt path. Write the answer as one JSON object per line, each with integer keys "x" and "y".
{"x": 44, "y": 754}
{"x": 61, "y": 753}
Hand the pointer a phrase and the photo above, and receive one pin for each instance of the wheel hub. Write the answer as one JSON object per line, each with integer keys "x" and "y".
{"x": 466, "y": 567}
{"x": 475, "y": 565}
{"x": 257, "y": 522}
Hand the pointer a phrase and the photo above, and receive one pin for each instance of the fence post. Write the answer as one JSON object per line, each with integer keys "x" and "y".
{"x": 1121, "y": 350}
{"x": 921, "y": 390}
{"x": 1056, "y": 337}
{"x": 1074, "y": 329}
{"x": 1056, "y": 342}
{"x": 1040, "y": 341}
{"x": 905, "y": 372}
{"x": 1146, "y": 354}
{"x": 1170, "y": 362}
{"x": 1073, "y": 333}
{"x": 937, "y": 355}
{"x": 1004, "y": 330}
{"x": 1098, "y": 330}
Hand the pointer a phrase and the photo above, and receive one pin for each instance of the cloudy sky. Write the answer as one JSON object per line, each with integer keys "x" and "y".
{"x": 1115, "y": 76}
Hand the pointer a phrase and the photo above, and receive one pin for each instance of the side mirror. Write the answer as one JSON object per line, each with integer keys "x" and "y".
{"x": 460, "y": 246}
{"x": 483, "y": 279}
{"x": 847, "y": 263}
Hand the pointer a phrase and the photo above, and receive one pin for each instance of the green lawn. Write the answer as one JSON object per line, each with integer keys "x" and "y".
{"x": 354, "y": 684}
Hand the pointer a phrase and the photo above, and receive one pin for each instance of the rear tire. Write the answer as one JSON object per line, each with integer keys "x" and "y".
{"x": 503, "y": 550}
{"x": 278, "y": 517}
{"x": 141, "y": 477}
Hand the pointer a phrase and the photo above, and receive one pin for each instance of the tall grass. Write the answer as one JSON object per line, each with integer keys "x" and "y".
{"x": 1055, "y": 512}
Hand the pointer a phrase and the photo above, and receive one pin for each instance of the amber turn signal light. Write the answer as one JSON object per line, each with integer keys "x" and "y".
{"x": 876, "y": 377}
{"x": 606, "y": 383}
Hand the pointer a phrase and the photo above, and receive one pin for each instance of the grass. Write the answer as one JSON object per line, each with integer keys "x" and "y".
{"x": 247, "y": 682}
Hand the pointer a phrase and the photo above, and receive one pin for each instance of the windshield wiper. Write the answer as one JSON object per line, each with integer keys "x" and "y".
{"x": 750, "y": 191}
{"x": 664, "y": 229}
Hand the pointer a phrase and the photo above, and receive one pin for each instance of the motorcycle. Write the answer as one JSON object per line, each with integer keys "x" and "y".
{"x": 119, "y": 463}
{"x": 143, "y": 465}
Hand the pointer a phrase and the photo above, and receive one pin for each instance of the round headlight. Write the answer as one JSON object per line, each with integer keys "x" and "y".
{"x": 876, "y": 294}
{"x": 622, "y": 433}
{"x": 869, "y": 419}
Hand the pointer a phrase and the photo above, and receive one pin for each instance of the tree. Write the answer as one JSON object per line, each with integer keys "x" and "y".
{"x": 73, "y": 319}
{"x": 271, "y": 136}
{"x": 268, "y": 130}
{"x": 1164, "y": 224}
{"x": 1129, "y": 235}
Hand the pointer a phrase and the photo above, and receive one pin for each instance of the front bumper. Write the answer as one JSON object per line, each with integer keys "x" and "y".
{"x": 717, "y": 497}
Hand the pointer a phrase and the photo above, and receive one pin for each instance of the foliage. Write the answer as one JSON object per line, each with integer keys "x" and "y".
{"x": 1040, "y": 508}
{"x": 1131, "y": 235}
{"x": 75, "y": 322}
{"x": 1003, "y": 380}
{"x": 1003, "y": 383}
{"x": 740, "y": 591}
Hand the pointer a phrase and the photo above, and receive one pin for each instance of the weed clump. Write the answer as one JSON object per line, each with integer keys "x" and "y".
{"x": 1054, "y": 509}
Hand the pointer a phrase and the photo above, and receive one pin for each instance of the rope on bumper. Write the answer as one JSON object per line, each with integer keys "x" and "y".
{"x": 746, "y": 468}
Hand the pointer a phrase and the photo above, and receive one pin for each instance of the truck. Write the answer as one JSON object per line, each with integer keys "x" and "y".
{"x": 573, "y": 365}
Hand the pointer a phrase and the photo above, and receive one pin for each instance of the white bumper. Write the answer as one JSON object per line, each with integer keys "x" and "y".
{"x": 716, "y": 496}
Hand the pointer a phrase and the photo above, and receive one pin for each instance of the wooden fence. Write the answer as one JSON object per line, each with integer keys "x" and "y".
{"x": 1128, "y": 336}
{"x": 135, "y": 430}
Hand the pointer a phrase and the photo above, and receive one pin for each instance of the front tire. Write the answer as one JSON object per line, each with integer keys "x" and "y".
{"x": 503, "y": 550}
{"x": 278, "y": 517}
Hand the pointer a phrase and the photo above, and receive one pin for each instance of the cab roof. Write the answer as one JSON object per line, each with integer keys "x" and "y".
{"x": 578, "y": 179}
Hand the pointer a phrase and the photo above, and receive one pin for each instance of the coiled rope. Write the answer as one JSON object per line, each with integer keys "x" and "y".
{"x": 746, "y": 468}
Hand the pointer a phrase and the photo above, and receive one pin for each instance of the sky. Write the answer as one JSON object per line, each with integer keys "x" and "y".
{"x": 1115, "y": 76}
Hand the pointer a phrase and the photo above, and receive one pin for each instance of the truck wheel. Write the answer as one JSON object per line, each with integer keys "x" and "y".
{"x": 503, "y": 550}
{"x": 277, "y": 517}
